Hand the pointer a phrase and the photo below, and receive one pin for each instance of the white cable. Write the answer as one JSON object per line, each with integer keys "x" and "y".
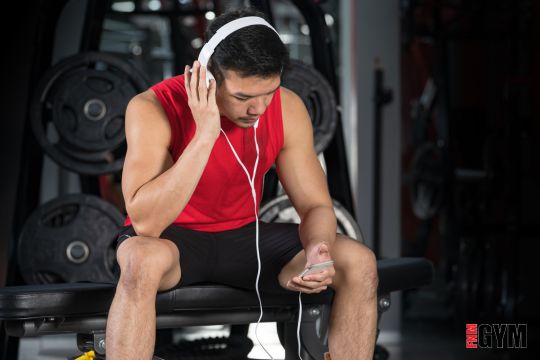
{"x": 251, "y": 180}
{"x": 299, "y": 322}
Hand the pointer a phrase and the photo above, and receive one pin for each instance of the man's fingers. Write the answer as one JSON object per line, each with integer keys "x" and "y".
{"x": 295, "y": 287}
{"x": 187, "y": 76}
{"x": 202, "y": 85}
{"x": 195, "y": 84}
{"x": 311, "y": 284}
{"x": 316, "y": 277}
{"x": 313, "y": 291}
{"x": 321, "y": 276}
{"x": 194, "y": 81}
{"x": 324, "y": 281}
{"x": 212, "y": 92}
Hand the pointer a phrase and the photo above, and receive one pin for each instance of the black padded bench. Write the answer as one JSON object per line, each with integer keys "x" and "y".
{"x": 82, "y": 308}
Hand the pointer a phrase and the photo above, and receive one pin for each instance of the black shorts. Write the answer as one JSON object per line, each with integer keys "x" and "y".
{"x": 230, "y": 257}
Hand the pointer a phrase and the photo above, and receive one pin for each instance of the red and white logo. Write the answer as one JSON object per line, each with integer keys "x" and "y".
{"x": 471, "y": 336}
{"x": 496, "y": 336}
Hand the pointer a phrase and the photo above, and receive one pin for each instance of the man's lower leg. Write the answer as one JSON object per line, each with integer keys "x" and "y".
{"x": 131, "y": 325}
{"x": 353, "y": 324}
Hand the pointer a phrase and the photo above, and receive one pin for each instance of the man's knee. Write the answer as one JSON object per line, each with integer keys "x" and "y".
{"x": 144, "y": 261}
{"x": 355, "y": 264}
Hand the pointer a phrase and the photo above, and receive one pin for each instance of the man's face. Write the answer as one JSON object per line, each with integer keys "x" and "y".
{"x": 244, "y": 99}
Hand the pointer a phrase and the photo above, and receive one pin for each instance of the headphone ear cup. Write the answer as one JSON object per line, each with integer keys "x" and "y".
{"x": 209, "y": 77}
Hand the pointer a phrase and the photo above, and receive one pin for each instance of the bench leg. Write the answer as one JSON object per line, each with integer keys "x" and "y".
{"x": 314, "y": 332}
{"x": 94, "y": 341}
{"x": 383, "y": 304}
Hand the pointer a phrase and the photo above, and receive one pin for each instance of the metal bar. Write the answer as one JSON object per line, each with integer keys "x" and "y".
{"x": 349, "y": 90}
{"x": 377, "y": 124}
{"x": 93, "y": 24}
{"x": 382, "y": 97}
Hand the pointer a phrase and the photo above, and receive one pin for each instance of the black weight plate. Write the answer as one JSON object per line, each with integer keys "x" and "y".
{"x": 70, "y": 239}
{"x": 281, "y": 210}
{"x": 88, "y": 108}
{"x": 318, "y": 97}
{"x": 78, "y": 111}
{"x": 427, "y": 181}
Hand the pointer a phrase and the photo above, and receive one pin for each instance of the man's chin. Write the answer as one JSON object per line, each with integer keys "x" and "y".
{"x": 245, "y": 123}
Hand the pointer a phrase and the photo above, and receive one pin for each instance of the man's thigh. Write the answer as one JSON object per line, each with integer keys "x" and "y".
{"x": 194, "y": 250}
{"x": 237, "y": 261}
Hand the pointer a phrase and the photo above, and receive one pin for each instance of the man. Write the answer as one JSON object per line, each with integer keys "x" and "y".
{"x": 189, "y": 202}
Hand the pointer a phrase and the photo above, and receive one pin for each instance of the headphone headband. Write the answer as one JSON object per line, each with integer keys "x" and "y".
{"x": 226, "y": 30}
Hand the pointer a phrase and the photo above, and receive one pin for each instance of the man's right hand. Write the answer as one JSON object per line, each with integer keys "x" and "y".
{"x": 202, "y": 101}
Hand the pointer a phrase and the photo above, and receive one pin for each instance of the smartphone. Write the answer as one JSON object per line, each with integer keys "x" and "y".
{"x": 316, "y": 268}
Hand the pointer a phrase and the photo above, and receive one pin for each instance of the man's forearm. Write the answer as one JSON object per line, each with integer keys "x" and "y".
{"x": 159, "y": 202}
{"x": 318, "y": 225}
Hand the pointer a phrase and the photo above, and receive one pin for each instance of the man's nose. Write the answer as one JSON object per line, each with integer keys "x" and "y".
{"x": 258, "y": 106}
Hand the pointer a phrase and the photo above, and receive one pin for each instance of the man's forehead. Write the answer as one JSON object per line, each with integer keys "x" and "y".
{"x": 250, "y": 85}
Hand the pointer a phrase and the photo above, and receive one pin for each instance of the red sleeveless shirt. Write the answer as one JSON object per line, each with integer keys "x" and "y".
{"x": 222, "y": 199}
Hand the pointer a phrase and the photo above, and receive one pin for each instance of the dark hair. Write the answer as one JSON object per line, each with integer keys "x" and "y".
{"x": 251, "y": 51}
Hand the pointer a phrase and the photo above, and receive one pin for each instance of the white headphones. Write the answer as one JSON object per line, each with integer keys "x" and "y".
{"x": 222, "y": 33}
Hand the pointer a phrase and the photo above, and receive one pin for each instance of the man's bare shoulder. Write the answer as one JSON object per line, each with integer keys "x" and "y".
{"x": 145, "y": 117}
{"x": 146, "y": 98}
{"x": 290, "y": 101}
{"x": 296, "y": 120}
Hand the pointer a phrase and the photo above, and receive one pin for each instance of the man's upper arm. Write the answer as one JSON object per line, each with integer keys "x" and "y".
{"x": 299, "y": 169}
{"x": 148, "y": 135}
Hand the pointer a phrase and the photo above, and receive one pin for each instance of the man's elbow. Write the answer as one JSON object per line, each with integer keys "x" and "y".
{"x": 139, "y": 223}
{"x": 142, "y": 224}
{"x": 145, "y": 228}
